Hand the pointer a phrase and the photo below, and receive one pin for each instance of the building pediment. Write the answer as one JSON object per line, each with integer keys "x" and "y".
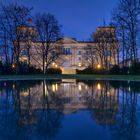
{"x": 67, "y": 41}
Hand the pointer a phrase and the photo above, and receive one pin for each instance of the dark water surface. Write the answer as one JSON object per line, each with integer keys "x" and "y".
{"x": 69, "y": 110}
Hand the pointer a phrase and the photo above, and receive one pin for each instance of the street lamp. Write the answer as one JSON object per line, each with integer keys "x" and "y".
{"x": 53, "y": 63}
{"x": 98, "y": 66}
{"x": 13, "y": 66}
{"x": 56, "y": 66}
{"x": 99, "y": 86}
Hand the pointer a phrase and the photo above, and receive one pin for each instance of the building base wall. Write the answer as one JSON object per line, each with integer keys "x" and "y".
{"x": 68, "y": 71}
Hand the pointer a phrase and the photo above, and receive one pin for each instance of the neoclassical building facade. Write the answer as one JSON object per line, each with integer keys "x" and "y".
{"x": 101, "y": 52}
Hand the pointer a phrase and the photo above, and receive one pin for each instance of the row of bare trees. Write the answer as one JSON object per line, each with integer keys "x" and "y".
{"x": 48, "y": 29}
{"x": 126, "y": 18}
{"x": 105, "y": 50}
{"x": 11, "y": 17}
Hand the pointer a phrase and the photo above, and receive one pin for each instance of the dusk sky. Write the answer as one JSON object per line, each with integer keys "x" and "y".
{"x": 79, "y": 18}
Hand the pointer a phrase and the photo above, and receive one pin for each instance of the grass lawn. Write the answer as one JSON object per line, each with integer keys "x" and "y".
{"x": 76, "y": 76}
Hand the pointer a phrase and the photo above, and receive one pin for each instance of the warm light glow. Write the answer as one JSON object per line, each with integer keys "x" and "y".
{"x": 98, "y": 66}
{"x": 108, "y": 93}
{"x": 86, "y": 87}
{"x": 54, "y": 87}
{"x": 13, "y": 86}
{"x": 56, "y": 66}
{"x": 46, "y": 91}
{"x": 13, "y": 66}
{"x": 24, "y": 94}
{"x": 79, "y": 64}
{"x": 53, "y": 63}
{"x": 79, "y": 87}
{"x": 99, "y": 86}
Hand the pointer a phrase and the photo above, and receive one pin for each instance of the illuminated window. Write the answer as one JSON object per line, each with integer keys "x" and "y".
{"x": 79, "y": 52}
{"x": 66, "y": 50}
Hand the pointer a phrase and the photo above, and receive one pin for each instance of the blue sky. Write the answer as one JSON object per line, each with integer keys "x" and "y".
{"x": 79, "y": 18}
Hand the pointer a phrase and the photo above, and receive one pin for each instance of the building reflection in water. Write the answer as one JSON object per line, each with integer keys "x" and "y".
{"x": 45, "y": 103}
{"x": 68, "y": 97}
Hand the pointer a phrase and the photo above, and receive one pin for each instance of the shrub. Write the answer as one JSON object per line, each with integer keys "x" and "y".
{"x": 135, "y": 68}
{"x": 115, "y": 70}
{"x": 90, "y": 70}
{"x": 6, "y": 69}
{"x": 125, "y": 70}
{"x": 54, "y": 71}
{"x": 26, "y": 69}
{"x": 23, "y": 69}
{"x": 85, "y": 71}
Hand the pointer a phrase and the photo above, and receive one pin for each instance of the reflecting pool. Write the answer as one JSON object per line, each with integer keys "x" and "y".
{"x": 69, "y": 110}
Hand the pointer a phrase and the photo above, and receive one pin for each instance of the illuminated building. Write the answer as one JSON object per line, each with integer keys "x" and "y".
{"x": 70, "y": 96}
{"x": 75, "y": 54}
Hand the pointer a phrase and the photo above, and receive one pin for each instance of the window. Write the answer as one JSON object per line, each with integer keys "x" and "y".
{"x": 24, "y": 53}
{"x": 66, "y": 50}
{"x": 25, "y": 61}
{"x": 86, "y": 58}
{"x": 79, "y": 52}
{"x": 107, "y": 53}
{"x": 80, "y": 58}
{"x": 87, "y": 53}
{"x": 53, "y": 53}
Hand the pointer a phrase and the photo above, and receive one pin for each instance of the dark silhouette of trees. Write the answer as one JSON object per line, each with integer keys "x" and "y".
{"x": 126, "y": 19}
{"x": 16, "y": 32}
{"x": 12, "y": 16}
{"x": 49, "y": 31}
{"x": 106, "y": 47}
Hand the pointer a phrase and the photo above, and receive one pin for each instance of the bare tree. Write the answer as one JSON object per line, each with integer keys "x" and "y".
{"x": 106, "y": 47}
{"x": 126, "y": 16}
{"x": 49, "y": 31}
{"x": 90, "y": 55}
{"x": 12, "y": 16}
{"x": 29, "y": 35}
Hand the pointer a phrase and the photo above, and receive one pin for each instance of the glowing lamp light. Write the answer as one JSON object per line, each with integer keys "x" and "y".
{"x": 46, "y": 91}
{"x": 54, "y": 87}
{"x": 98, "y": 66}
{"x": 53, "y": 64}
{"x": 25, "y": 94}
{"x": 79, "y": 64}
{"x": 13, "y": 86}
{"x": 99, "y": 86}
{"x": 13, "y": 66}
{"x": 86, "y": 87}
{"x": 129, "y": 88}
{"x": 108, "y": 93}
{"x": 79, "y": 87}
{"x": 56, "y": 66}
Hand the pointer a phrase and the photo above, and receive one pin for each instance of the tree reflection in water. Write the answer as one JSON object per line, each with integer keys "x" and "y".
{"x": 127, "y": 121}
{"x": 103, "y": 103}
{"x": 49, "y": 120}
{"x": 36, "y": 109}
